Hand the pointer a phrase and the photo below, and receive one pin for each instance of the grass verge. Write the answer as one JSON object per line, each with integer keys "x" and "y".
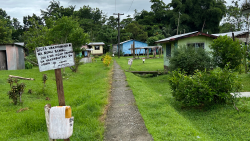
{"x": 85, "y": 91}
{"x": 166, "y": 120}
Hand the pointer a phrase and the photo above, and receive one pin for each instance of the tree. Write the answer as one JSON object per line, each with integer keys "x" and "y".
{"x": 29, "y": 23}
{"x": 5, "y": 32}
{"x": 17, "y": 34}
{"x": 90, "y": 19}
{"x": 234, "y": 16}
{"x": 55, "y": 11}
{"x": 36, "y": 36}
{"x": 227, "y": 27}
{"x": 6, "y": 27}
{"x": 137, "y": 31}
{"x": 151, "y": 40}
{"x": 197, "y": 15}
{"x": 226, "y": 52}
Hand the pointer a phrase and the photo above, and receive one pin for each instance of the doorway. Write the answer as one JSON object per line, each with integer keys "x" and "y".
{"x": 3, "y": 60}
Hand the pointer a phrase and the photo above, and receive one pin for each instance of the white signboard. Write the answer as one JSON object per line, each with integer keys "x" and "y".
{"x": 55, "y": 57}
{"x": 130, "y": 61}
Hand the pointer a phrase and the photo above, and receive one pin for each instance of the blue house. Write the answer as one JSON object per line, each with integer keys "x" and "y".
{"x": 125, "y": 46}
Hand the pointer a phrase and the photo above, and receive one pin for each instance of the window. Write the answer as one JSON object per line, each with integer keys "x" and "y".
{"x": 196, "y": 45}
{"x": 168, "y": 50}
{"x": 97, "y": 47}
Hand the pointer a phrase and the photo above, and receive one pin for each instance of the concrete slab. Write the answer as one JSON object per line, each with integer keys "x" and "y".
{"x": 242, "y": 94}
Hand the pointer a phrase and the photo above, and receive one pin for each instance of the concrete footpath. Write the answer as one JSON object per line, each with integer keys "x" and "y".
{"x": 124, "y": 121}
{"x": 242, "y": 94}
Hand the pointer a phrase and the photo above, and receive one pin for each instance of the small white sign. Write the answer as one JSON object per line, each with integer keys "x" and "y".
{"x": 55, "y": 57}
{"x": 130, "y": 61}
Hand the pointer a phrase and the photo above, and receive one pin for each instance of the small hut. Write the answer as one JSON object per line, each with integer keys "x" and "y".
{"x": 12, "y": 56}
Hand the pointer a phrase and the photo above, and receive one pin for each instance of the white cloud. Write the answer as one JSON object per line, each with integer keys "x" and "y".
{"x": 20, "y": 8}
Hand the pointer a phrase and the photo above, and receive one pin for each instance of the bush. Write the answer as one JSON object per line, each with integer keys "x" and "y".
{"x": 77, "y": 63}
{"x": 226, "y": 51}
{"x": 32, "y": 57}
{"x": 96, "y": 56}
{"x": 107, "y": 60}
{"x": 189, "y": 59}
{"x": 204, "y": 88}
{"x": 28, "y": 65}
{"x": 16, "y": 90}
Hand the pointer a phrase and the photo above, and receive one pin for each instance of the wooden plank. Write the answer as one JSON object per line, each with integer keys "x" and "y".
{"x": 12, "y": 76}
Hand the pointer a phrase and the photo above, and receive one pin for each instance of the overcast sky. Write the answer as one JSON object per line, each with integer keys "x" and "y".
{"x": 20, "y": 8}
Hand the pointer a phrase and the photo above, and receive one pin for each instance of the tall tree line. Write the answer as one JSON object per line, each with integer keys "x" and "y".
{"x": 147, "y": 26}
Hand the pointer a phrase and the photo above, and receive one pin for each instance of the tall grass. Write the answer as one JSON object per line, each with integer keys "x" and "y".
{"x": 85, "y": 91}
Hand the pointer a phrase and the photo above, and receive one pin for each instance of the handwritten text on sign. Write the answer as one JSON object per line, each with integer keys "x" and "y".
{"x": 55, "y": 57}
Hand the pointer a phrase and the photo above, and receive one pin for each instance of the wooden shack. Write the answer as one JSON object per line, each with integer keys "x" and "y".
{"x": 12, "y": 56}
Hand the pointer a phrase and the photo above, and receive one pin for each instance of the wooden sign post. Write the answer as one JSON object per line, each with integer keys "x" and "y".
{"x": 56, "y": 57}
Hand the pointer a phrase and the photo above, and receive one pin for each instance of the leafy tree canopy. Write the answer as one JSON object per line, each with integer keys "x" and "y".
{"x": 226, "y": 51}
{"x": 137, "y": 31}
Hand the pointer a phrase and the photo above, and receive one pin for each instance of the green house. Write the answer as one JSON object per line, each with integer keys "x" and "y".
{"x": 192, "y": 39}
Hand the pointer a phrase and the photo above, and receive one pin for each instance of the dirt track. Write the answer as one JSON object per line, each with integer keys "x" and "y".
{"x": 124, "y": 121}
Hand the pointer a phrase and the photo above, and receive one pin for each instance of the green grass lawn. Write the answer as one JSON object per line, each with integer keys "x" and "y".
{"x": 151, "y": 64}
{"x": 166, "y": 120}
{"x": 245, "y": 78}
{"x": 85, "y": 91}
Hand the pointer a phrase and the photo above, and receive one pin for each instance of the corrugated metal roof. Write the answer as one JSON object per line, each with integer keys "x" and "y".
{"x": 20, "y": 44}
{"x": 96, "y": 43}
{"x": 126, "y": 41}
{"x": 176, "y": 36}
{"x": 229, "y": 34}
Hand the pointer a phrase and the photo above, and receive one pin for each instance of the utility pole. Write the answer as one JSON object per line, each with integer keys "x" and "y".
{"x": 178, "y": 22}
{"x": 118, "y": 32}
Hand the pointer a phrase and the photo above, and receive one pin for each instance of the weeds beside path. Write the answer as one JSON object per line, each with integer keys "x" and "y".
{"x": 124, "y": 121}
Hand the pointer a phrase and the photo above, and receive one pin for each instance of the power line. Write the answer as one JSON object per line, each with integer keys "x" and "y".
{"x": 130, "y": 6}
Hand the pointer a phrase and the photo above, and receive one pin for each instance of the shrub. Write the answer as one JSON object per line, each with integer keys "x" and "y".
{"x": 32, "y": 58}
{"x": 189, "y": 59}
{"x": 77, "y": 64}
{"x": 16, "y": 90}
{"x": 96, "y": 56}
{"x": 107, "y": 60}
{"x": 204, "y": 88}
{"x": 28, "y": 65}
{"x": 226, "y": 51}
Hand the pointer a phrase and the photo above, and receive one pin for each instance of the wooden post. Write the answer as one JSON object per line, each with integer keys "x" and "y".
{"x": 60, "y": 92}
{"x": 159, "y": 52}
{"x": 154, "y": 51}
{"x": 148, "y": 53}
{"x": 136, "y": 53}
{"x": 59, "y": 85}
{"x": 134, "y": 49}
